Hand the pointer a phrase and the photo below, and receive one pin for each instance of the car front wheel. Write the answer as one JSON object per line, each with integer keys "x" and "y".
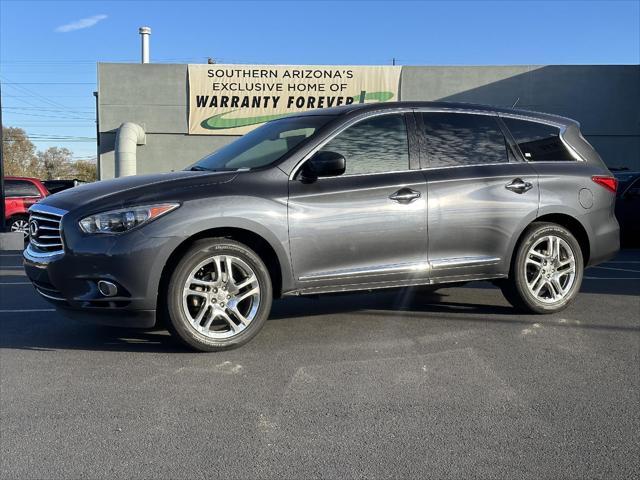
{"x": 547, "y": 270}
{"x": 219, "y": 295}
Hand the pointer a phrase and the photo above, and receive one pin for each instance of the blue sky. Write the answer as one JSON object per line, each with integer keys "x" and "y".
{"x": 49, "y": 49}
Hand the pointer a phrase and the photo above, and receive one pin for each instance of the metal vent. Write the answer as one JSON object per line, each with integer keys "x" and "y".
{"x": 44, "y": 229}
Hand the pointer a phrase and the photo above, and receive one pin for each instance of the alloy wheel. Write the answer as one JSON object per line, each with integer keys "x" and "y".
{"x": 221, "y": 296}
{"x": 21, "y": 226}
{"x": 550, "y": 269}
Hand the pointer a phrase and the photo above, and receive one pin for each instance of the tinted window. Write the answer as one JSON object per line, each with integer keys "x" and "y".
{"x": 463, "y": 139}
{"x": 375, "y": 145}
{"x": 537, "y": 141}
{"x": 20, "y": 188}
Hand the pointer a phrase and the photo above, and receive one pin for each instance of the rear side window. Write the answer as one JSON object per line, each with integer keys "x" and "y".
{"x": 538, "y": 142}
{"x": 455, "y": 139}
{"x": 376, "y": 145}
{"x": 20, "y": 188}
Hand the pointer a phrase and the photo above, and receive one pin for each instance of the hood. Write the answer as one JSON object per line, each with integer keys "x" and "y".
{"x": 137, "y": 188}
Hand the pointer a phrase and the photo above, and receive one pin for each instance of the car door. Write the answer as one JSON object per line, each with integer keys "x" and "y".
{"x": 11, "y": 198}
{"x": 368, "y": 225}
{"x": 481, "y": 195}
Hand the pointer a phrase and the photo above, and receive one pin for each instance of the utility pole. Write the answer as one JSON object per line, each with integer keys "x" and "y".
{"x": 2, "y": 212}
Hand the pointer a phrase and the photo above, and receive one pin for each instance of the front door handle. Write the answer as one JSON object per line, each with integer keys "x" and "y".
{"x": 518, "y": 185}
{"x": 405, "y": 195}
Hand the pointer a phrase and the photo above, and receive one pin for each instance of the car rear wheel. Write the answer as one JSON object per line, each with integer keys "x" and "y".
{"x": 20, "y": 224}
{"x": 547, "y": 270}
{"x": 219, "y": 295}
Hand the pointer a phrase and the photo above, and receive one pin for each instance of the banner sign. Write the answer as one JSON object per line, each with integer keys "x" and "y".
{"x": 235, "y": 99}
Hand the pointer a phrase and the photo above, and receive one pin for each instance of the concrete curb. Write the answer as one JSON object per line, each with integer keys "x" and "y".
{"x": 11, "y": 241}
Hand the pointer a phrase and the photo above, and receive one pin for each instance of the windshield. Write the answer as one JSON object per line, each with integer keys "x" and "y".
{"x": 264, "y": 145}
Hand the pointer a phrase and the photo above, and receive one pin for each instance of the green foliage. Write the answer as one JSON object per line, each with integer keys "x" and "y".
{"x": 22, "y": 160}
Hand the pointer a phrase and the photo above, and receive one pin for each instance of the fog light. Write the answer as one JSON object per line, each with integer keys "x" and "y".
{"x": 108, "y": 289}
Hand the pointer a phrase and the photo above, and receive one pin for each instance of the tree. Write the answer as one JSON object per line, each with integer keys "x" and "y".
{"x": 85, "y": 170}
{"x": 55, "y": 163}
{"x": 18, "y": 153}
{"x": 21, "y": 159}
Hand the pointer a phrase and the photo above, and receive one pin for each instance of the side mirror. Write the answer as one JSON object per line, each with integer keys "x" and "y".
{"x": 324, "y": 164}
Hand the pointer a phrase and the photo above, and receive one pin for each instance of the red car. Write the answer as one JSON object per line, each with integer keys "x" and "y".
{"x": 20, "y": 193}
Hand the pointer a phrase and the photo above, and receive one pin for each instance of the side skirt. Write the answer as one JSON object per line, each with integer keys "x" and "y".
{"x": 354, "y": 287}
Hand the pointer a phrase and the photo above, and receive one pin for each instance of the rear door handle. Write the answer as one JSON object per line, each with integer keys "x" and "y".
{"x": 405, "y": 195}
{"x": 518, "y": 185}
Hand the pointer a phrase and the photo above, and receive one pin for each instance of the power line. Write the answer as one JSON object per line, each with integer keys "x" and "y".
{"x": 48, "y": 96}
{"x": 49, "y": 83}
{"x": 67, "y": 117}
{"x": 86, "y": 109}
{"x": 26, "y": 90}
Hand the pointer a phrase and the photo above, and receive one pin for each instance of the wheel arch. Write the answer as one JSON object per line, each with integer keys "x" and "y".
{"x": 15, "y": 215}
{"x": 564, "y": 220}
{"x": 256, "y": 242}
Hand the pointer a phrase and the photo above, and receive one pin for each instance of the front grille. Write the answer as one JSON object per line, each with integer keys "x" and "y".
{"x": 45, "y": 230}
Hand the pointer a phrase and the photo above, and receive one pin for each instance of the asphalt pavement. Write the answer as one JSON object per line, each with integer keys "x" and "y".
{"x": 390, "y": 384}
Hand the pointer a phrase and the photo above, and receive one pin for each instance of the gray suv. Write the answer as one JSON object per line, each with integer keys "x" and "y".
{"x": 355, "y": 198}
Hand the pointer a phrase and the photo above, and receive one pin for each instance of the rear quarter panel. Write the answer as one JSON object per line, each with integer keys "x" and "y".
{"x": 563, "y": 185}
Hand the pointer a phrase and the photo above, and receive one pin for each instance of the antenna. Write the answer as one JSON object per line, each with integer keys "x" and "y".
{"x": 515, "y": 103}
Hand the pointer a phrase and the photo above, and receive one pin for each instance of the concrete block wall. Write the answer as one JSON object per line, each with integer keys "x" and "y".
{"x": 605, "y": 99}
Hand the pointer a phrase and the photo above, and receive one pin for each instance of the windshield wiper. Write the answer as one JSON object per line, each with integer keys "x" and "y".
{"x": 199, "y": 168}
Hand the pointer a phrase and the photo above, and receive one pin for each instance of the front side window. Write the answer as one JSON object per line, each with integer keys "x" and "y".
{"x": 376, "y": 145}
{"x": 455, "y": 139}
{"x": 538, "y": 142}
{"x": 20, "y": 188}
{"x": 264, "y": 145}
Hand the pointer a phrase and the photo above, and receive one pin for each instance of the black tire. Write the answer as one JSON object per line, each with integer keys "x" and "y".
{"x": 180, "y": 325}
{"x": 515, "y": 287}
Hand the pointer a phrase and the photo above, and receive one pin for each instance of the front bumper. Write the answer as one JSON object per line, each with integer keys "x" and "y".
{"x": 69, "y": 279}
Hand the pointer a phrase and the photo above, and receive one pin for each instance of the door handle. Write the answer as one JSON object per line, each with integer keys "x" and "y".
{"x": 405, "y": 195}
{"x": 518, "y": 185}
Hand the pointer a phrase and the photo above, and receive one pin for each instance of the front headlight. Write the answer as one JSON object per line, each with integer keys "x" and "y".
{"x": 118, "y": 221}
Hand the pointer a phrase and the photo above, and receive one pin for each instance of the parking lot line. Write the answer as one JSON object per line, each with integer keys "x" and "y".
{"x": 29, "y": 310}
{"x": 618, "y": 269}
{"x": 612, "y": 278}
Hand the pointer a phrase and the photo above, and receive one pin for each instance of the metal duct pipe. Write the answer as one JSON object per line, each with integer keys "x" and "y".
{"x": 128, "y": 137}
{"x": 145, "y": 32}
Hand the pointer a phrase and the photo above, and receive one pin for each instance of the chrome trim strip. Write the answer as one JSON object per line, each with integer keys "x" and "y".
{"x": 36, "y": 257}
{"x": 42, "y": 208}
{"x": 44, "y": 245}
{"x": 45, "y": 219}
{"x": 376, "y": 270}
{"x": 50, "y": 297}
{"x": 461, "y": 262}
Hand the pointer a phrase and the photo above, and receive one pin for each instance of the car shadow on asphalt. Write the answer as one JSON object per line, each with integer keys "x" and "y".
{"x": 64, "y": 334}
{"x": 413, "y": 303}
{"x": 33, "y": 332}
